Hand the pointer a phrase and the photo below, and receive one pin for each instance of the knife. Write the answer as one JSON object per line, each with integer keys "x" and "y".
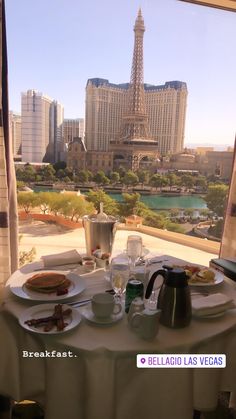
{"x": 79, "y": 303}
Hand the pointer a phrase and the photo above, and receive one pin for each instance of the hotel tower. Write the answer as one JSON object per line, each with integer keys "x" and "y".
{"x": 135, "y": 120}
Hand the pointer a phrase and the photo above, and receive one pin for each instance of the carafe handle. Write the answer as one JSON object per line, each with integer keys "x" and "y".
{"x": 161, "y": 272}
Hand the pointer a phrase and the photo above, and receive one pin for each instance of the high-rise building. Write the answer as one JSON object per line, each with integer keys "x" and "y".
{"x": 15, "y": 133}
{"x": 42, "y": 132}
{"x": 73, "y": 128}
{"x": 160, "y": 110}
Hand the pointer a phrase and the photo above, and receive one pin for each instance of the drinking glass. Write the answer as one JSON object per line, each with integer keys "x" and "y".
{"x": 134, "y": 250}
{"x": 119, "y": 277}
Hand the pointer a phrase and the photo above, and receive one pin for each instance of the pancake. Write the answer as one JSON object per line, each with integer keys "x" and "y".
{"x": 47, "y": 282}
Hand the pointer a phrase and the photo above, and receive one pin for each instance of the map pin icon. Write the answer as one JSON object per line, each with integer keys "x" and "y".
{"x": 143, "y": 360}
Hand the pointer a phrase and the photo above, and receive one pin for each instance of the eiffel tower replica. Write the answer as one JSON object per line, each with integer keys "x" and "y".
{"x": 135, "y": 142}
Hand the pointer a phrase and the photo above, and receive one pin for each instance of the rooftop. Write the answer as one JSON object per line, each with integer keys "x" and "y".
{"x": 98, "y": 82}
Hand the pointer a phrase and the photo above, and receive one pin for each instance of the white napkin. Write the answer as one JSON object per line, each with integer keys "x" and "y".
{"x": 213, "y": 304}
{"x": 64, "y": 258}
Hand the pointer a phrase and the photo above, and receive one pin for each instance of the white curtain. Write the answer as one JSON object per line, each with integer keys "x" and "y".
{"x": 8, "y": 203}
{"x": 228, "y": 243}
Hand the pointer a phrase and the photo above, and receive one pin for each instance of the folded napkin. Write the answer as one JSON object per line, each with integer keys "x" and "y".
{"x": 213, "y": 304}
{"x": 64, "y": 258}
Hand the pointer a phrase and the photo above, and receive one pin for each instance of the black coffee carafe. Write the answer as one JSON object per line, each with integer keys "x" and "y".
{"x": 174, "y": 298}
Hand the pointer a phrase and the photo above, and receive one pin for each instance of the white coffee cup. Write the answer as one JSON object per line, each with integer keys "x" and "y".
{"x": 104, "y": 305}
{"x": 146, "y": 323}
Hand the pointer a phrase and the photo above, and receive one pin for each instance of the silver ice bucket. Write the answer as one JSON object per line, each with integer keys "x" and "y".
{"x": 99, "y": 234}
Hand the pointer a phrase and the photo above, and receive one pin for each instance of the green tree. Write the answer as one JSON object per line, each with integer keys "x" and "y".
{"x": 27, "y": 200}
{"x": 130, "y": 178}
{"x": 216, "y": 198}
{"x": 90, "y": 175}
{"x": 187, "y": 181}
{"x": 115, "y": 177}
{"x": 61, "y": 174}
{"x": 217, "y": 229}
{"x": 143, "y": 177}
{"x": 26, "y": 173}
{"x": 204, "y": 212}
{"x": 44, "y": 200}
{"x": 106, "y": 181}
{"x": 164, "y": 181}
{"x": 82, "y": 176}
{"x": 110, "y": 206}
{"x": 174, "y": 212}
{"x": 156, "y": 181}
{"x": 59, "y": 165}
{"x": 189, "y": 212}
{"x": 69, "y": 173}
{"x": 153, "y": 219}
{"x": 121, "y": 171}
{"x": 174, "y": 227}
{"x": 48, "y": 173}
{"x": 201, "y": 182}
{"x": 172, "y": 179}
{"x": 20, "y": 184}
{"x": 101, "y": 178}
{"x": 67, "y": 179}
{"x": 130, "y": 204}
{"x": 57, "y": 203}
{"x": 76, "y": 207}
{"x": 38, "y": 178}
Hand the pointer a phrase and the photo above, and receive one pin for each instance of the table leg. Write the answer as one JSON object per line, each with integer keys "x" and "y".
{"x": 5, "y": 407}
{"x": 196, "y": 414}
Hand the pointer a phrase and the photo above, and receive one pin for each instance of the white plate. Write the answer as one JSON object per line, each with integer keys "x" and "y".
{"x": 210, "y": 316}
{"x": 219, "y": 277}
{"x": 88, "y": 314}
{"x": 45, "y": 310}
{"x": 17, "y": 287}
{"x": 215, "y": 315}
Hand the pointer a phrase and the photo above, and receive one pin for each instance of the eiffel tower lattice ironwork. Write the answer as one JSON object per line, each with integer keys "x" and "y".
{"x": 134, "y": 143}
{"x": 135, "y": 122}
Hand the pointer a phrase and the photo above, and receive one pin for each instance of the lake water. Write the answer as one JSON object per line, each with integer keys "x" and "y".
{"x": 158, "y": 202}
{"x": 155, "y": 202}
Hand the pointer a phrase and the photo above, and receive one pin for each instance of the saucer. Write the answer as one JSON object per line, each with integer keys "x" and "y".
{"x": 88, "y": 314}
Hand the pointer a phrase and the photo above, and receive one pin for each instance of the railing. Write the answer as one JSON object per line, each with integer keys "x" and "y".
{"x": 190, "y": 241}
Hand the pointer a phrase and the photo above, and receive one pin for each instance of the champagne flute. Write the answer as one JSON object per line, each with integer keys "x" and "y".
{"x": 134, "y": 250}
{"x": 119, "y": 277}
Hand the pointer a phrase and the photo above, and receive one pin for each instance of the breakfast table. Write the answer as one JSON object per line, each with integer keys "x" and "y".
{"x": 98, "y": 376}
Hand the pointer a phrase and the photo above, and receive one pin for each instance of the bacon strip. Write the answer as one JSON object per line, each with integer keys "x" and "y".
{"x": 57, "y": 319}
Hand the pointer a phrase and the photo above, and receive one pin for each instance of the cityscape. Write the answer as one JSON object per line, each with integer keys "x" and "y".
{"x": 131, "y": 125}
{"x": 131, "y": 145}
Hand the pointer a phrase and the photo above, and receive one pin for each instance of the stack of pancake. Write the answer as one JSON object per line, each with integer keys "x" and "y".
{"x": 48, "y": 282}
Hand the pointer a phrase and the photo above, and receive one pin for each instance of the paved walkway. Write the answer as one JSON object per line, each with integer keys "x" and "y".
{"x": 50, "y": 239}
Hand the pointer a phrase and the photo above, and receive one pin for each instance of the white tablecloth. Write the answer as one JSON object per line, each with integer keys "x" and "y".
{"x": 102, "y": 379}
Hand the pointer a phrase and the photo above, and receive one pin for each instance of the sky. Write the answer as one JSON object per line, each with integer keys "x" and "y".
{"x": 55, "y": 46}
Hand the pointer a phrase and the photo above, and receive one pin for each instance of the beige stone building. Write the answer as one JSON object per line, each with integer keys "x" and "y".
{"x": 73, "y": 128}
{"x": 76, "y": 155}
{"x": 203, "y": 150}
{"x": 42, "y": 119}
{"x": 99, "y": 160}
{"x": 78, "y": 158}
{"x": 106, "y": 104}
{"x": 218, "y": 163}
{"x": 15, "y": 133}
